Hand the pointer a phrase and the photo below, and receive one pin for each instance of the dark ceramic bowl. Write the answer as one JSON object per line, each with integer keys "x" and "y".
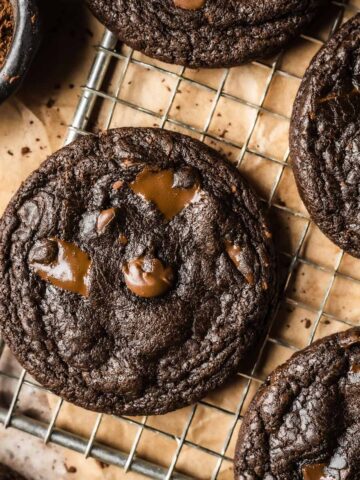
{"x": 25, "y": 41}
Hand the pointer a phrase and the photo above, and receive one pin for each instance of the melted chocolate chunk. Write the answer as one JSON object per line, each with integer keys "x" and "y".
{"x": 189, "y": 4}
{"x": 314, "y": 472}
{"x": 69, "y": 271}
{"x": 157, "y": 187}
{"x": 117, "y": 185}
{"x": 123, "y": 239}
{"x": 147, "y": 277}
{"x": 355, "y": 368}
{"x": 237, "y": 256}
{"x": 105, "y": 218}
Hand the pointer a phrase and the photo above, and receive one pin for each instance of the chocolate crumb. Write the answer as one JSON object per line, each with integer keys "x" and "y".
{"x": 25, "y": 150}
{"x": 50, "y": 103}
{"x": 70, "y": 469}
{"x": 307, "y": 323}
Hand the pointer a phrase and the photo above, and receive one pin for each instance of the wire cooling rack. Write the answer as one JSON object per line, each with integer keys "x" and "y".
{"x": 316, "y": 275}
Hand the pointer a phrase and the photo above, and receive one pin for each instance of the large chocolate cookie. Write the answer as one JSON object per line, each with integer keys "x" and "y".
{"x": 136, "y": 271}
{"x": 7, "y": 474}
{"x": 206, "y": 33}
{"x": 304, "y": 422}
{"x": 325, "y": 138}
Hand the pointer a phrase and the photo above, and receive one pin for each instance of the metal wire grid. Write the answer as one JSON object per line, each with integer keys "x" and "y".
{"x": 106, "y": 53}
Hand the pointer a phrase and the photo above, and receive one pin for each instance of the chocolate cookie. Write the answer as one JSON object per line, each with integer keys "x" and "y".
{"x": 304, "y": 422}
{"x": 206, "y": 33}
{"x": 137, "y": 270}
{"x": 7, "y": 474}
{"x": 325, "y": 138}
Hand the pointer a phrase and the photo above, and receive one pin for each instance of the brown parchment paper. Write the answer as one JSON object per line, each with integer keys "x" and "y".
{"x": 33, "y": 124}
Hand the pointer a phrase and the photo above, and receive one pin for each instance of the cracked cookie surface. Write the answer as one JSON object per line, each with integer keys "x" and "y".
{"x": 304, "y": 422}
{"x": 206, "y": 33}
{"x": 137, "y": 271}
{"x": 325, "y": 138}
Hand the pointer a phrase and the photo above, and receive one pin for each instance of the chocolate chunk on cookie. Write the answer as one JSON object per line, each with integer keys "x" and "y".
{"x": 206, "y": 33}
{"x": 304, "y": 422}
{"x": 137, "y": 271}
{"x": 325, "y": 138}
